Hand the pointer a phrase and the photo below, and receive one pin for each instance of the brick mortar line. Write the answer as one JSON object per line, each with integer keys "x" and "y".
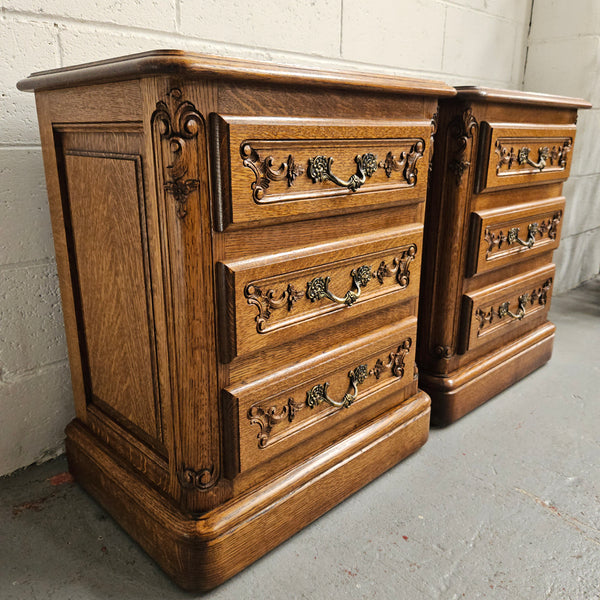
{"x": 26, "y": 264}
{"x": 314, "y": 59}
{"x": 13, "y": 377}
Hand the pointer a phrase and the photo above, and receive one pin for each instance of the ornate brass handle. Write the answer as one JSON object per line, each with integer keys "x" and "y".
{"x": 544, "y": 154}
{"x": 319, "y": 169}
{"x": 318, "y": 393}
{"x": 503, "y": 309}
{"x": 513, "y": 235}
{"x": 318, "y": 288}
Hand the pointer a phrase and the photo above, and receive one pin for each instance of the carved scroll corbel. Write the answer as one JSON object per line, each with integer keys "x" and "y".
{"x": 175, "y": 126}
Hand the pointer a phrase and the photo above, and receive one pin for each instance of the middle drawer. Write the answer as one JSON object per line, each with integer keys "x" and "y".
{"x": 270, "y": 299}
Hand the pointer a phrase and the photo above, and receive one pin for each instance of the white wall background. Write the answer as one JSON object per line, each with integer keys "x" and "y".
{"x": 460, "y": 41}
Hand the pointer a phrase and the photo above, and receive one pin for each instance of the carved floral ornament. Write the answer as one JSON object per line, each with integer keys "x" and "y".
{"x": 267, "y": 416}
{"x": 461, "y": 129}
{"x": 267, "y": 300}
{"x": 499, "y": 240}
{"x": 486, "y": 318}
{"x": 508, "y": 157}
{"x": 176, "y": 123}
{"x": 321, "y": 168}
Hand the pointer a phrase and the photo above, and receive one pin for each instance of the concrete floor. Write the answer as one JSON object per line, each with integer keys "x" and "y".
{"x": 503, "y": 504}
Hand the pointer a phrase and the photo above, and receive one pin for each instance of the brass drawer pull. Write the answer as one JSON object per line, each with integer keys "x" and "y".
{"x": 319, "y": 169}
{"x": 513, "y": 235}
{"x": 318, "y": 287}
{"x": 318, "y": 393}
{"x": 544, "y": 154}
{"x": 503, "y": 309}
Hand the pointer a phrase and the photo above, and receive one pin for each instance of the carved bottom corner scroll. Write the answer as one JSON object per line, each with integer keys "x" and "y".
{"x": 268, "y": 416}
{"x": 202, "y": 479}
{"x": 444, "y": 352}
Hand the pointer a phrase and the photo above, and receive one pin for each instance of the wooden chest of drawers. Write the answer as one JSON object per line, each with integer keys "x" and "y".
{"x": 239, "y": 248}
{"x": 494, "y": 217}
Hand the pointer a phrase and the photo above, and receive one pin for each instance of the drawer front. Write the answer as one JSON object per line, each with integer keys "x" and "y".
{"x": 269, "y": 170}
{"x": 502, "y": 236}
{"x": 268, "y": 300}
{"x": 268, "y": 417}
{"x": 514, "y": 155}
{"x": 498, "y": 310}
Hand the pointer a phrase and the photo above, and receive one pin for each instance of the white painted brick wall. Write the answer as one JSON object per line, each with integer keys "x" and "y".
{"x": 460, "y": 41}
{"x": 564, "y": 58}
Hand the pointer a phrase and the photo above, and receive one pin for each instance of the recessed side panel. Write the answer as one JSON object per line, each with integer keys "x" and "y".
{"x": 104, "y": 206}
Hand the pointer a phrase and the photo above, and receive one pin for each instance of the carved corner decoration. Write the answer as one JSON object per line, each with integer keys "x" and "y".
{"x": 268, "y": 415}
{"x": 400, "y": 267}
{"x": 267, "y": 418}
{"x": 175, "y": 126}
{"x": 264, "y": 171}
{"x": 508, "y": 157}
{"x": 395, "y": 362}
{"x": 444, "y": 352}
{"x": 461, "y": 129}
{"x": 201, "y": 480}
{"x": 499, "y": 240}
{"x": 268, "y": 301}
{"x": 537, "y": 296}
{"x": 407, "y": 162}
{"x": 320, "y": 169}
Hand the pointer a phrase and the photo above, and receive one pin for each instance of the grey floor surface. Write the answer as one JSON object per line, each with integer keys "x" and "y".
{"x": 504, "y": 503}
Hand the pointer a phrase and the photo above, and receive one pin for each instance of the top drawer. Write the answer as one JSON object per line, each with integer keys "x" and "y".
{"x": 275, "y": 169}
{"x": 512, "y": 155}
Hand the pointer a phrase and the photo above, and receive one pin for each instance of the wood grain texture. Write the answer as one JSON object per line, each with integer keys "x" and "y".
{"x": 476, "y": 383}
{"x": 494, "y": 212}
{"x": 509, "y": 155}
{"x": 205, "y": 67}
{"x": 241, "y": 325}
{"x": 535, "y": 228}
{"x": 201, "y": 552}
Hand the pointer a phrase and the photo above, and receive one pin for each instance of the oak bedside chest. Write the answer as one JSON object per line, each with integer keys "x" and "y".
{"x": 494, "y": 216}
{"x": 239, "y": 248}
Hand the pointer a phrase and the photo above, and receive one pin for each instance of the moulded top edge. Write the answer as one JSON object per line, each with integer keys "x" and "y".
{"x": 520, "y": 97}
{"x": 178, "y": 62}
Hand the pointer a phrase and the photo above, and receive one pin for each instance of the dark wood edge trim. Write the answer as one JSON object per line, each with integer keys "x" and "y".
{"x": 226, "y": 316}
{"x": 483, "y": 156}
{"x": 220, "y": 170}
{"x": 474, "y": 242}
{"x": 180, "y": 63}
{"x": 231, "y": 435}
{"x": 473, "y": 92}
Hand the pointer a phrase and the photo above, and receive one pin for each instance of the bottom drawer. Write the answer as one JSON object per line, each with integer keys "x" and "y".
{"x": 325, "y": 393}
{"x": 505, "y": 308}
